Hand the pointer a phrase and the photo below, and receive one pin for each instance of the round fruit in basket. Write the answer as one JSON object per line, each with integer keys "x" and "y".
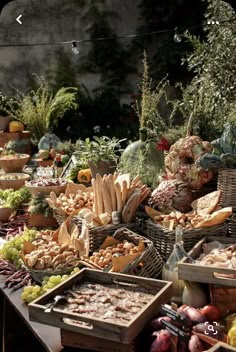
{"x": 46, "y": 185}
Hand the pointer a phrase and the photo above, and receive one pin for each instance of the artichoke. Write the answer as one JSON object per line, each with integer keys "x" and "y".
{"x": 171, "y": 195}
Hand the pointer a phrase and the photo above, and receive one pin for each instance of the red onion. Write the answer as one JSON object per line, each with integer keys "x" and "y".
{"x": 195, "y": 344}
{"x": 161, "y": 342}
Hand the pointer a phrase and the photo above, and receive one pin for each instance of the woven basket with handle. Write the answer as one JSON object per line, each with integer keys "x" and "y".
{"x": 164, "y": 239}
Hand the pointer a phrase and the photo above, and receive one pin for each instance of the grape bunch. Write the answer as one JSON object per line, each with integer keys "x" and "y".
{"x": 31, "y": 292}
{"x": 13, "y": 199}
{"x": 11, "y": 250}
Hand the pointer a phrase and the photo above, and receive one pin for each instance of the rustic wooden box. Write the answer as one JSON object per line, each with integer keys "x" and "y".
{"x": 207, "y": 274}
{"x": 81, "y": 341}
{"x": 221, "y": 347}
{"x": 122, "y": 332}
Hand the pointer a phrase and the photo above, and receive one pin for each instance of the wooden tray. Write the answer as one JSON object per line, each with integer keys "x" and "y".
{"x": 81, "y": 341}
{"x": 207, "y": 274}
{"x": 118, "y": 332}
{"x": 221, "y": 347}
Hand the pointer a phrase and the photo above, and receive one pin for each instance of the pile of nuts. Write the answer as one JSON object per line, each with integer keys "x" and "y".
{"x": 103, "y": 257}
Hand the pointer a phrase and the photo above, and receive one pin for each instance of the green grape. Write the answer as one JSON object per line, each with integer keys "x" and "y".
{"x": 29, "y": 298}
{"x": 36, "y": 288}
{"x": 28, "y": 289}
{"x": 50, "y": 285}
{"x": 34, "y": 295}
{"x": 24, "y": 296}
{"x": 64, "y": 277}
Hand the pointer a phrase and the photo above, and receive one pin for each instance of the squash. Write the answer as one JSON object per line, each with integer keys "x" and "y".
{"x": 84, "y": 176}
{"x": 16, "y": 126}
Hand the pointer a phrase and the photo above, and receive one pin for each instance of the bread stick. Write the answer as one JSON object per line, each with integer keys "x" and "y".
{"x": 99, "y": 193}
{"x": 118, "y": 196}
{"x": 106, "y": 197}
{"x": 124, "y": 192}
{"x": 95, "y": 196}
{"x": 112, "y": 192}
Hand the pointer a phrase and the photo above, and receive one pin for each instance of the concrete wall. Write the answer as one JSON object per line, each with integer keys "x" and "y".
{"x": 50, "y": 21}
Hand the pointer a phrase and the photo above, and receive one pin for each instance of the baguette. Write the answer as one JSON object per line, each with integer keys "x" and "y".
{"x": 95, "y": 193}
{"x": 144, "y": 195}
{"x": 106, "y": 198}
{"x": 99, "y": 194}
{"x": 124, "y": 192}
{"x": 118, "y": 196}
{"x": 131, "y": 206}
{"x": 110, "y": 180}
{"x": 130, "y": 191}
{"x": 135, "y": 180}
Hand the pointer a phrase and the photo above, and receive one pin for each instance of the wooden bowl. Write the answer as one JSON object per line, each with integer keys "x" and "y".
{"x": 13, "y": 165}
{"x": 34, "y": 190}
{"x": 5, "y": 213}
{"x": 15, "y": 183}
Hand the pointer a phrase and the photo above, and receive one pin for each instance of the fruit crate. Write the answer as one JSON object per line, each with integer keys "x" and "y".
{"x": 206, "y": 274}
{"x": 121, "y": 331}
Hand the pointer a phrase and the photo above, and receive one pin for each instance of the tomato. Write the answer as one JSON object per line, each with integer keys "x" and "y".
{"x": 211, "y": 312}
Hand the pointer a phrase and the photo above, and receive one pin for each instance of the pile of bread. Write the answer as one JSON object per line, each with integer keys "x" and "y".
{"x": 206, "y": 213}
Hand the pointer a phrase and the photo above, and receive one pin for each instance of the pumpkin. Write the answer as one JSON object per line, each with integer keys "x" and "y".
{"x": 84, "y": 176}
{"x": 16, "y": 126}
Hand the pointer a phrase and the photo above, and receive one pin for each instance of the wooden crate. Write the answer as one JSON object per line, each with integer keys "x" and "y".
{"x": 123, "y": 332}
{"x": 81, "y": 341}
{"x": 221, "y": 347}
{"x": 207, "y": 274}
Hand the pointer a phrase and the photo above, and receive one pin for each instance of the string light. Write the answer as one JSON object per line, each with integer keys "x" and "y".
{"x": 75, "y": 49}
{"x": 177, "y": 36}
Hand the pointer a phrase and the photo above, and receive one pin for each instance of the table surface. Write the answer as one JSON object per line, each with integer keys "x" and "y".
{"x": 48, "y": 336}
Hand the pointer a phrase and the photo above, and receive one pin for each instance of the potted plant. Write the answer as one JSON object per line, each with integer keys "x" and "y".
{"x": 5, "y": 118}
{"x": 101, "y": 154}
{"x": 40, "y": 213}
{"x": 39, "y": 110}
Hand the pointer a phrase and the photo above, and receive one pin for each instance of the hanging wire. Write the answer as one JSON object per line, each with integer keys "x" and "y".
{"x": 127, "y": 36}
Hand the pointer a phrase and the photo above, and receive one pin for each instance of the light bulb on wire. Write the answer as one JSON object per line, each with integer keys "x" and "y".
{"x": 177, "y": 36}
{"x": 75, "y": 49}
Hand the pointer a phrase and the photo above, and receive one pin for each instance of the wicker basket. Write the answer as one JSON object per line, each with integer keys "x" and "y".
{"x": 150, "y": 260}
{"x": 97, "y": 235}
{"x": 232, "y": 225}
{"x": 164, "y": 239}
{"x": 227, "y": 185}
{"x": 38, "y": 275}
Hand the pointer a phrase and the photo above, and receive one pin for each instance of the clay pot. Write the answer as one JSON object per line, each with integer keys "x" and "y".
{"x": 102, "y": 167}
{"x": 4, "y": 122}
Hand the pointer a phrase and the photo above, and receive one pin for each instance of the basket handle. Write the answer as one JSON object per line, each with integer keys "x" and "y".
{"x": 220, "y": 277}
{"x": 78, "y": 323}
